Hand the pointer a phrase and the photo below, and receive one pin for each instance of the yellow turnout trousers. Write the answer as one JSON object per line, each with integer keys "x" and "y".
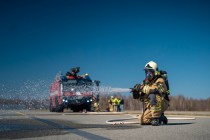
{"x": 154, "y": 111}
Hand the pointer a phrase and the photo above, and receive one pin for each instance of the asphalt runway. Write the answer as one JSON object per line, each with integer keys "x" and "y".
{"x": 33, "y": 125}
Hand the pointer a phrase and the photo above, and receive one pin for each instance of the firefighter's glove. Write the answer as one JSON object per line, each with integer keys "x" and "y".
{"x": 142, "y": 96}
{"x": 136, "y": 90}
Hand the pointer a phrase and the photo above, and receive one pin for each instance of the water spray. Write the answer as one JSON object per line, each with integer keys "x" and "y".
{"x": 30, "y": 93}
{"x": 107, "y": 90}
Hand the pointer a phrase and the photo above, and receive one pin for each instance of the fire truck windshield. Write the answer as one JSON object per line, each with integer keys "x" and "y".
{"x": 77, "y": 86}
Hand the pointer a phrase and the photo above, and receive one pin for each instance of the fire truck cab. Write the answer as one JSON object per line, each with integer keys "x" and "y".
{"x": 73, "y": 92}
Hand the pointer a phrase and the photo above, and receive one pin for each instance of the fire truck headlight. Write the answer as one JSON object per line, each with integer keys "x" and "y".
{"x": 91, "y": 100}
{"x": 88, "y": 101}
{"x": 66, "y": 101}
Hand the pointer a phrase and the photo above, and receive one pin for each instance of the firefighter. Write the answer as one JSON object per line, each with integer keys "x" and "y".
{"x": 153, "y": 92}
{"x": 95, "y": 104}
{"x": 121, "y": 109}
{"x": 96, "y": 107}
{"x": 86, "y": 77}
{"x": 116, "y": 103}
{"x": 111, "y": 104}
{"x": 72, "y": 73}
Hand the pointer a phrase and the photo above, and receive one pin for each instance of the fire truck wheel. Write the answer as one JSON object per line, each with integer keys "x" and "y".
{"x": 59, "y": 108}
{"x": 51, "y": 109}
{"x": 89, "y": 108}
{"x": 76, "y": 109}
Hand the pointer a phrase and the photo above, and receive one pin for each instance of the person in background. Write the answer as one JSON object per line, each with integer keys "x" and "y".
{"x": 111, "y": 104}
{"x": 86, "y": 77}
{"x": 96, "y": 107}
{"x": 116, "y": 104}
{"x": 95, "y": 103}
{"x": 122, "y": 105}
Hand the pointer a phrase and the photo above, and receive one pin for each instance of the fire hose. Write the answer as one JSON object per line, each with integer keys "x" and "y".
{"x": 137, "y": 121}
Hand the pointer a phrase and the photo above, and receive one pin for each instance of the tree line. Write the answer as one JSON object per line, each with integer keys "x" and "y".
{"x": 177, "y": 103}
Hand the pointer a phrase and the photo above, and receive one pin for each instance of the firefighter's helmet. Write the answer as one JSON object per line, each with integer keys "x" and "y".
{"x": 151, "y": 70}
{"x": 151, "y": 66}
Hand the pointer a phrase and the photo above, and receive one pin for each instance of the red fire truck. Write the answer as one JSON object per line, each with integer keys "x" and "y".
{"x": 74, "y": 92}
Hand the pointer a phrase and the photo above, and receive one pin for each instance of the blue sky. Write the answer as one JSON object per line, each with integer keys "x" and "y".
{"x": 111, "y": 40}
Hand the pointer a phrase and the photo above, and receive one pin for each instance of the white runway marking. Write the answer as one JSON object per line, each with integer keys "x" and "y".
{"x": 180, "y": 118}
{"x": 20, "y": 113}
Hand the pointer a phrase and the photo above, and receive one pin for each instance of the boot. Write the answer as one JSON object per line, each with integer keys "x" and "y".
{"x": 163, "y": 119}
{"x": 155, "y": 122}
{"x": 145, "y": 123}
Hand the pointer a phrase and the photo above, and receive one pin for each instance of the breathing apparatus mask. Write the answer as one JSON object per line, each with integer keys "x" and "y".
{"x": 150, "y": 74}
